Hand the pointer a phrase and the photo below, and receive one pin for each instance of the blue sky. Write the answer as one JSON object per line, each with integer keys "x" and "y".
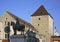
{"x": 25, "y": 8}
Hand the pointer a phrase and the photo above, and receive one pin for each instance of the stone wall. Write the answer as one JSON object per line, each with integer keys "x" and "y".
{"x": 4, "y": 19}
{"x": 44, "y": 26}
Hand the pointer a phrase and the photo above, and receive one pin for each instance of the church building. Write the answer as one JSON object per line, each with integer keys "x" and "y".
{"x": 41, "y": 24}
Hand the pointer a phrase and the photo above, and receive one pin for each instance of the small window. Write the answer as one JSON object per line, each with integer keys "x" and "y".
{"x": 39, "y": 18}
{"x": 38, "y": 24}
{"x": 6, "y": 35}
{"x": 0, "y": 31}
{"x": 6, "y": 18}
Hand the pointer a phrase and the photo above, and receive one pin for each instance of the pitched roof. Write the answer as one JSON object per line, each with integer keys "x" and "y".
{"x": 22, "y": 21}
{"x": 41, "y": 11}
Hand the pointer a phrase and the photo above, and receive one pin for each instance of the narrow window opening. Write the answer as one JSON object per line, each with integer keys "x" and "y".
{"x": 6, "y": 35}
{"x": 38, "y": 24}
{"x": 39, "y": 18}
{"x": 6, "y": 18}
{"x": 0, "y": 31}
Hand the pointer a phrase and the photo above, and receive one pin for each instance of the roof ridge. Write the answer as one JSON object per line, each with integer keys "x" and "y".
{"x": 14, "y": 15}
{"x": 21, "y": 20}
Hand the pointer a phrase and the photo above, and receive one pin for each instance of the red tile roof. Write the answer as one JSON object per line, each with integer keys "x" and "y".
{"x": 41, "y": 11}
{"x": 5, "y": 40}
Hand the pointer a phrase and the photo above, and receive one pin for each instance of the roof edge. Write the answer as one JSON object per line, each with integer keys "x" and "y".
{"x": 42, "y": 14}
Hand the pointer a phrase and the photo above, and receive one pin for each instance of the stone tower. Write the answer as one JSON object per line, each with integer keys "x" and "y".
{"x": 43, "y": 22}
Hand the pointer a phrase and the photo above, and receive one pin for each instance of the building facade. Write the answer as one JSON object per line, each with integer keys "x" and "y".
{"x": 41, "y": 23}
{"x": 8, "y": 17}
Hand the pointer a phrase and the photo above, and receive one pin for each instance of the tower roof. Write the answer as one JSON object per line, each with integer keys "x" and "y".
{"x": 41, "y": 11}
